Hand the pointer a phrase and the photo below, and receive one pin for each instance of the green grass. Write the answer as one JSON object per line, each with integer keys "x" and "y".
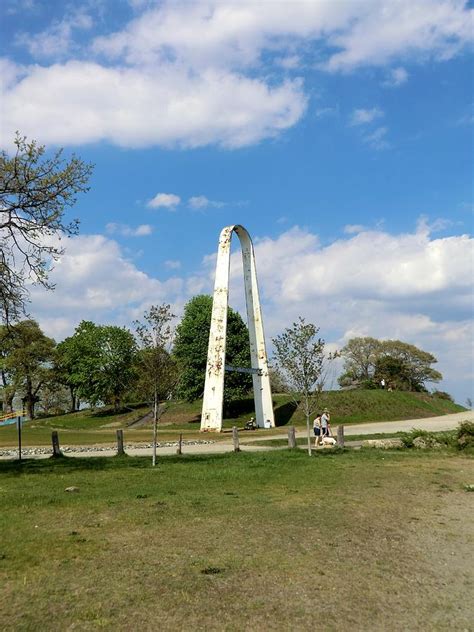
{"x": 347, "y": 407}
{"x": 360, "y": 541}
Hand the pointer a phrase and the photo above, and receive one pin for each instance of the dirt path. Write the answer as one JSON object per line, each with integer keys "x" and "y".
{"x": 433, "y": 424}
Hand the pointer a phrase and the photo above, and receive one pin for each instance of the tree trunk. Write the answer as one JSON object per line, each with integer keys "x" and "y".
{"x": 8, "y": 394}
{"x": 73, "y": 399}
{"x": 340, "y": 436}
{"x": 120, "y": 450}
{"x": 30, "y": 408}
{"x": 291, "y": 437}
{"x": 155, "y": 426}
{"x": 9, "y": 402}
{"x": 29, "y": 399}
{"x": 235, "y": 439}
{"x": 308, "y": 428}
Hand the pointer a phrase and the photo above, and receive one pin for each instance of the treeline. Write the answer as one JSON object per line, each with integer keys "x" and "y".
{"x": 107, "y": 364}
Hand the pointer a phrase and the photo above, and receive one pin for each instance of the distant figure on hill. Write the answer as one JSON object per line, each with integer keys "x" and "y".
{"x": 317, "y": 430}
{"x": 382, "y": 383}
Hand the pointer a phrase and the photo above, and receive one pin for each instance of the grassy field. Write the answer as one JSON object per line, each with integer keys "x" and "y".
{"x": 270, "y": 541}
{"x": 347, "y": 407}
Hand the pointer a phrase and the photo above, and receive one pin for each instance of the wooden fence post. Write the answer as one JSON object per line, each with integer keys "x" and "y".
{"x": 55, "y": 442}
{"x": 235, "y": 438}
{"x": 120, "y": 450}
{"x": 291, "y": 437}
{"x": 340, "y": 436}
{"x": 179, "y": 449}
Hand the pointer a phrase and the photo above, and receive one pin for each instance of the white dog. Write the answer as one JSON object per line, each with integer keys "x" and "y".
{"x": 328, "y": 441}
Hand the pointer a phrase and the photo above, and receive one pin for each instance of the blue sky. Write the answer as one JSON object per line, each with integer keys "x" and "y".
{"x": 338, "y": 133}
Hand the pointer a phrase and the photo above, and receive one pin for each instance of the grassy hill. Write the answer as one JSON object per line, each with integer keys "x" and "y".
{"x": 347, "y": 407}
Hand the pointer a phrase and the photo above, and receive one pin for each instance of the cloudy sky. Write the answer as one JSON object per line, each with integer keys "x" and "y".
{"x": 339, "y": 133}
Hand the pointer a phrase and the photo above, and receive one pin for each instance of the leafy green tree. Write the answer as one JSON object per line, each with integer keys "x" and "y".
{"x": 76, "y": 363}
{"x": 29, "y": 355}
{"x": 97, "y": 362}
{"x": 402, "y": 365}
{"x": 415, "y": 365}
{"x": 190, "y": 350}
{"x": 393, "y": 371}
{"x": 300, "y": 359}
{"x": 117, "y": 356}
{"x": 157, "y": 369}
{"x": 360, "y": 357}
{"x": 35, "y": 191}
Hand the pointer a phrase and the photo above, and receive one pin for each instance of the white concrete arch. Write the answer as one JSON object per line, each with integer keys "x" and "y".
{"x": 214, "y": 386}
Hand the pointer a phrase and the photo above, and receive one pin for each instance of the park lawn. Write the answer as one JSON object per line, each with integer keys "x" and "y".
{"x": 363, "y": 540}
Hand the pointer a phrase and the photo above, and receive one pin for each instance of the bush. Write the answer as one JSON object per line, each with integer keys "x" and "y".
{"x": 465, "y": 435}
{"x": 423, "y": 438}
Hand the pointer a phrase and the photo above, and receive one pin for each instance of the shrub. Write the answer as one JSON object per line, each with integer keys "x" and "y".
{"x": 424, "y": 438}
{"x": 465, "y": 435}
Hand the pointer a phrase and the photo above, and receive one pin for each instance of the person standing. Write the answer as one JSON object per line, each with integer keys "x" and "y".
{"x": 317, "y": 430}
{"x": 325, "y": 423}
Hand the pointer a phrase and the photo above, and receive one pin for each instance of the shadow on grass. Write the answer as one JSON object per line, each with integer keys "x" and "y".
{"x": 284, "y": 413}
{"x": 239, "y": 407}
{"x": 110, "y": 412}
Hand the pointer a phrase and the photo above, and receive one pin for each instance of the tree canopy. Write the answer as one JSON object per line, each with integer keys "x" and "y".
{"x": 27, "y": 358}
{"x": 98, "y": 361}
{"x": 403, "y": 366}
{"x": 157, "y": 371}
{"x": 190, "y": 350}
{"x": 35, "y": 192}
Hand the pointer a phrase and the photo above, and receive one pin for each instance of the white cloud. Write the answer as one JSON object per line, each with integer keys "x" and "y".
{"x": 200, "y": 202}
{"x": 351, "y": 229}
{"x": 401, "y": 29}
{"x": 234, "y": 34}
{"x": 12, "y": 7}
{"x": 57, "y": 39}
{"x": 396, "y": 77}
{"x": 173, "y": 264}
{"x": 164, "y": 200}
{"x": 83, "y": 102}
{"x": 370, "y": 265}
{"x": 95, "y": 281}
{"x": 363, "y": 116}
{"x": 291, "y": 62}
{"x": 377, "y": 138}
{"x": 190, "y": 75}
{"x": 128, "y": 231}
{"x": 328, "y": 111}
